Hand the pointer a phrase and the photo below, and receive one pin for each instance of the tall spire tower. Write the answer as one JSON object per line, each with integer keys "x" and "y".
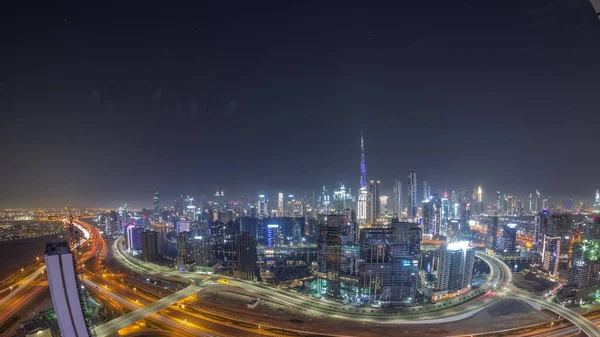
{"x": 363, "y": 191}
{"x": 363, "y": 168}
{"x": 597, "y": 202}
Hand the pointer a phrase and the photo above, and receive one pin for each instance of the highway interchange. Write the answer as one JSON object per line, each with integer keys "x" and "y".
{"x": 133, "y": 306}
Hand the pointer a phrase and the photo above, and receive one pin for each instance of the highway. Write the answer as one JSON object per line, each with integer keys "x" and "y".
{"x": 108, "y": 329}
{"x": 325, "y": 307}
{"x": 507, "y": 290}
{"x": 499, "y": 280}
{"x": 26, "y": 289}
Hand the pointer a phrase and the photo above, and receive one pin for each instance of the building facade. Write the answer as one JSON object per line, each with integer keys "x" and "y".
{"x": 412, "y": 195}
{"x": 65, "y": 290}
{"x": 455, "y": 268}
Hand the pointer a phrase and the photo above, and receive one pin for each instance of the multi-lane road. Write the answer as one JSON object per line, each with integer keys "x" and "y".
{"x": 28, "y": 287}
{"x": 195, "y": 322}
{"x": 499, "y": 283}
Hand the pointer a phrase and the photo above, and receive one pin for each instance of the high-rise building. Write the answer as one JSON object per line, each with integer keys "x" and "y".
{"x": 397, "y": 198}
{"x": 597, "y": 202}
{"x": 405, "y": 252}
{"x": 204, "y": 258}
{"x": 540, "y": 227}
{"x": 150, "y": 250}
{"x": 376, "y": 267}
{"x": 383, "y": 204}
{"x": 297, "y": 235}
{"x": 280, "y": 204}
{"x": 551, "y": 254}
{"x": 412, "y": 195}
{"x": 427, "y": 216}
{"x": 492, "y": 235}
{"x": 245, "y": 247}
{"x": 183, "y": 225}
{"x": 156, "y": 207}
{"x": 479, "y": 200}
{"x": 363, "y": 167}
{"x": 329, "y": 248}
{"x": 134, "y": 238}
{"x": 184, "y": 250}
{"x": 455, "y": 268}
{"x": 426, "y": 190}
{"x": 65, "y": 290}
{"x": 274, "y": 235}
{"x": 584, "y": 271}
{"x": 538, "y": 204}
{"x": 509, "y": 240}
{"x": 373, "y": 202}
{"x": 324, "y": 202}
{"x": 362, "y": 205}
{"x": 499, "y": 200}
{"x": 591, "y": 230}
{"x": 263, "y": 206}
{"x": 249, "y": 225}
{"x": 190, "y": 209}
{"x": 389, "y": 262}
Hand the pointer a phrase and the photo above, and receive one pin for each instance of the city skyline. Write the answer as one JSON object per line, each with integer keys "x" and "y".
{"x": 364, "y": 169}
{"x": 507, "y": 106}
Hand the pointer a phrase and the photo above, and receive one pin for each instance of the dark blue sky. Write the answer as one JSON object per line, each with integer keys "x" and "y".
{"x": 104, "y": 105}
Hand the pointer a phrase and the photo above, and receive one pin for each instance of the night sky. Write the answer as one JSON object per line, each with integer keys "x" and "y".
{"x": 102, "y": 106}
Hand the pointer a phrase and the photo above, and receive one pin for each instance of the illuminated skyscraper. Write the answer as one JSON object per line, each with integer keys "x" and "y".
{"x": 479, "y": 207}
{"x": 190, "y": 208}
{"x": 363, "y": 190}
{"x": 397, "y": 198}
{"x": 325, "y": 202}
{"x": 297, "y": 234}
{"x": 134, "y": 238}
{"x": 426, "y": 190}
{"x": 597, "y": 202}
{"x": 263, "y": 207}
{"x": 499, "y": 202}
{"x": 363, "y": 168}
{"x": 492, "y": 235}
{"x": 537, "y": 203}
{"x": 551, "y": 254}
{"x": 455, "y": 268}
{"x": 509, "y": 239}
{"x": 280, "y": 205}
{"x": 373, "y": 202}
{"x": 65, "y": 290}
{"x": 329, "y": 251}
{"x": 156, "y": 207}
{"x": 412, "y": 195}
{"x": 362, "y": 206}
{"x": 584, "y": 271}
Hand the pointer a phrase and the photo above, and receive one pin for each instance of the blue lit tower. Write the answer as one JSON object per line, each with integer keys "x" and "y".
{"x": 363, "y": 168}
{"x": 363, "y": 190}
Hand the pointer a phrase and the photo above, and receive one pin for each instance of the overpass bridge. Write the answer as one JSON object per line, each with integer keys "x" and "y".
{"x": 576, "y": 319}
{"x": 500, "y": 281}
